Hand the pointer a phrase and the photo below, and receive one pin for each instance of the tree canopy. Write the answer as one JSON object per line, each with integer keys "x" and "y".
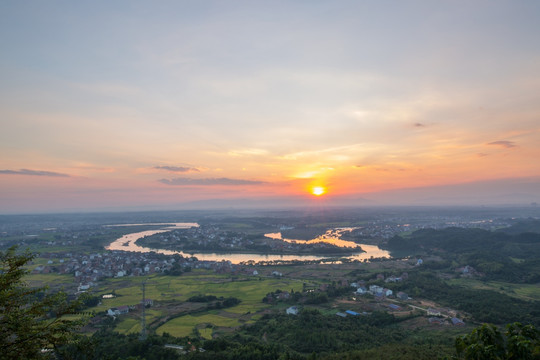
{"x": 32, "y": 321}
{"x": 486, "y": 342}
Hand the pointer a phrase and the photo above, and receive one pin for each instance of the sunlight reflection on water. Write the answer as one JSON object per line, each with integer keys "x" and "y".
{"x": 127, "y": 243}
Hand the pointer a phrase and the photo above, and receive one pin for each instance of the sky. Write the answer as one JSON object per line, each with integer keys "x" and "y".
{"x": 159, "y": 105}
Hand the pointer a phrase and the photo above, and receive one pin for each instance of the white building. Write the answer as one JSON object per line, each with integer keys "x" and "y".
{"x": 293, "y": 310}
{"x": 361, "y": 290}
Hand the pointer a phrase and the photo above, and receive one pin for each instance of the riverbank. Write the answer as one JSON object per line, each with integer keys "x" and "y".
{"x": 128, "y": 242}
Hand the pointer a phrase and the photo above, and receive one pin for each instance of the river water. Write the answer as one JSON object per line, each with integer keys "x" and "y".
{"x": 127, "y": 243}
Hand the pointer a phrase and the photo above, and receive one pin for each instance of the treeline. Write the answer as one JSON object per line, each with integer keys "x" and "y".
{"x": 497, "y": 255}
{"x": 314, "y": 335}
{"x": 319, "y": 296}
{"x": 523, "y": 226}
{"x": 310, "y": 335}
{"x": 215, "y": 302}
{"x": 484, "y": 305}
{"x": 109, "y": 345}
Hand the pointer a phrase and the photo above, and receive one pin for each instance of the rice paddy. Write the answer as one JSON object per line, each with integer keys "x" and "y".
{"x": 170, "y": 294}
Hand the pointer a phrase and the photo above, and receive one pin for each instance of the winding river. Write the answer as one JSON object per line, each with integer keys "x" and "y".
{"x": 127, "y": 243}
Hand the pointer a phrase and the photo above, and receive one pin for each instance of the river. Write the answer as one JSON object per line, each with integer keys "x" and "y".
{"x": 127, "y": 243}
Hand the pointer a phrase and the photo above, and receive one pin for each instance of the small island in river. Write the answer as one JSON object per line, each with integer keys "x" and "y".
{"x": 211, "y": 239}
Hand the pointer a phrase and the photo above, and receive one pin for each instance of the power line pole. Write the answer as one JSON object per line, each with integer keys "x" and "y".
{"x": 143, "y": 318}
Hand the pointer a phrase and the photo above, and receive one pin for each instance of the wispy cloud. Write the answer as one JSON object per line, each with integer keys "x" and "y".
{"x": 340, "y": 150}
{"x": 210, "y": 182}
{"x": 248, "y": 152}
{"x": 419, "y": 124}
{"x": 33, "y": 173}
{"x": 179, "y": 169}
{"x": 503, "y": 143}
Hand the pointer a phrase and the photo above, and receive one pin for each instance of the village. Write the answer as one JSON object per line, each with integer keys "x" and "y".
{"x": 357, "y": 298}
{"x": 375, "y": 297}
{"x": 89, "y": 269}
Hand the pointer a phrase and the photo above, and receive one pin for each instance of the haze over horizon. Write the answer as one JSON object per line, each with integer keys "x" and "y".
{"x": 137, "y": 105}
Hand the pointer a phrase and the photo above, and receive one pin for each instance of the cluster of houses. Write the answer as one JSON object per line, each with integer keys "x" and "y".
{"x": 88, "y": 269}
{"x": 209, "y": 236}
{"x": 381, "y": 292}
{"x": 92, "y": 267}
{"x": 436, "y": 316}
{"x": 204, "y": 236}
{"x": 124, "y": 309}
{"x": 440, "y": 316}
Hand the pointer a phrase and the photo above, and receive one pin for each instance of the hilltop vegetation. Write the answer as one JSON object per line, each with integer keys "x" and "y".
{"x": 33, "y": 322}
{"x": 496, "y": 255}
{"x": 523, "y": 226}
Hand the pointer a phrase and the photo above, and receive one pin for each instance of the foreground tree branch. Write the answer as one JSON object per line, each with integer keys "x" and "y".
{"x": 32, "y": 321}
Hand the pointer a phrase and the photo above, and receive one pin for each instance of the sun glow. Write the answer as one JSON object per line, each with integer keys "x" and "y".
{"x": 318, "y": 190}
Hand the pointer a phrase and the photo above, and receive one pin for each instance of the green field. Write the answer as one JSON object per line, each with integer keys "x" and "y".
{"x": 183, "y": 326}
{"x": 162, "y": 288}
{"x": 52, "y": 280}
{"x": 128, "y": 325}
{"x": 522, "y": 291}
{"x": 169, "y": 293}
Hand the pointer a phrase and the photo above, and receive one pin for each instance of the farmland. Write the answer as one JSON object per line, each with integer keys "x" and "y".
{"x": 169, "y": 294}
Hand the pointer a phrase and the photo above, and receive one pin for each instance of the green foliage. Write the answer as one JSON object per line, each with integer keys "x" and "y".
{"x": 392, "y": 352}
{"x": 109, "y": 345}
{"x": 202, "y": 298}
{"x": 175, "y": 270}
{"x": 523, "y": 226}
{"x": 312, "y": 335}
{"x": 219, "y": 304}
{"x": 491, "y": 253}
{"x": 31, "y": 319}
{"x": 326, "y": 333}
{"x": 486, "y": 342}
{"x": 484, "y": 305}
{"x": 89, "y": 301}
{"x": 317, "y": 298}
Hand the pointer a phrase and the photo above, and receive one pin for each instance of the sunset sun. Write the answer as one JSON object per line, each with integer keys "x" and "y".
{"x": 318, "y": 190}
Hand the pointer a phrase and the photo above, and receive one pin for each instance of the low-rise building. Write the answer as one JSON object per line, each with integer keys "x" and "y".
{"x": 402, "y": 296}
{"x": 293, "y": 310}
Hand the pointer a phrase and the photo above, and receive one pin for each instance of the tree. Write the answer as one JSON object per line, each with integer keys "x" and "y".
{"x": 487, "y": 342}
{"x": 32, "y": 321}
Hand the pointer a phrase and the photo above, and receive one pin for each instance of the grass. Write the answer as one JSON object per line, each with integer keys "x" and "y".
{"x": 522, "y": 291}
{"x": 516, "y": 260}
{"x": 183, "y": 326}
{"x": 171, "y": 290}
{"x": 128, "y": 325}
{"x": 245, "y": 308}
{"x": 206, "y": 333}
{"x": 39, "y": 280}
